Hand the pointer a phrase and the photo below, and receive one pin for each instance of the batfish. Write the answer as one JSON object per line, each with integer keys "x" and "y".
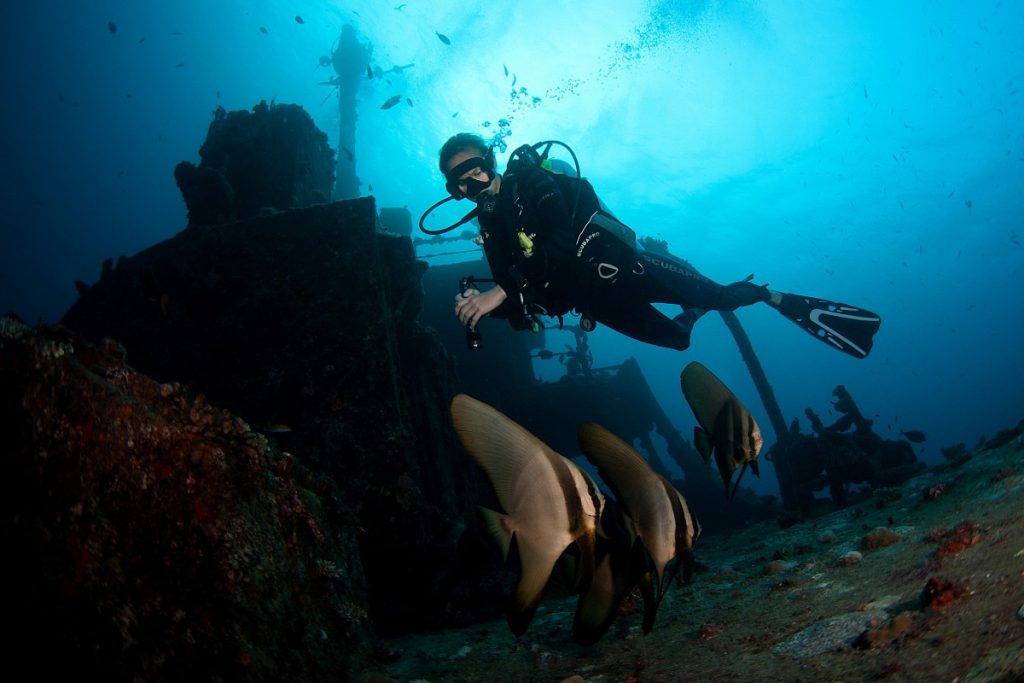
{"x": 549, "y": 503}
{"x": 726, "y": 427}
{"x": 657, "y": 520}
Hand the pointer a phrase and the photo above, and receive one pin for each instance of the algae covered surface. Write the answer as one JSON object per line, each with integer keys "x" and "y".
{"x": 919, "y": 583}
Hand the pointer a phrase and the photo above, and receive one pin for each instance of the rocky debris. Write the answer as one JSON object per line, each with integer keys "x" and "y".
{"x": 849, "y": 559}
{"x": 837, "y": 457}
{"x": 888, "y": 630}
{"x": 708, "y": 631}
{"x": 879, "y": 538}
{"x": 936, "y": 491}
{"x": 827, "y": 635}
{"x": 940, "y": 592}
{"x": 956, "y": 540}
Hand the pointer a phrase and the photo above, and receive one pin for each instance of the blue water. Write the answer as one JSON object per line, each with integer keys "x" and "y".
{"x": 871, "y": 152}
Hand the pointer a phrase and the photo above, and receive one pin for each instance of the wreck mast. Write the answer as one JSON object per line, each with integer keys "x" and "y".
{"x": 349, "y": 59}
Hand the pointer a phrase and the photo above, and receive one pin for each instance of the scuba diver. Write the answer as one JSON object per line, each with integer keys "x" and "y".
{"x": 553, "y": 247}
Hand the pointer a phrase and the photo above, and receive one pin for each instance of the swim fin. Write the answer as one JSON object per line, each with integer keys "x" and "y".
{"x": 848, "y": 328}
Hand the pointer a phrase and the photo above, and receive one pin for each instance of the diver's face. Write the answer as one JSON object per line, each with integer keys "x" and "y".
{"x": 474, "y": 176}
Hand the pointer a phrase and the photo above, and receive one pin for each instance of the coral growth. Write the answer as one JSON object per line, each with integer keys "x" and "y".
{"x": 939, "y": 593}
{"x": 884, "y": 631}
{"x": 879, "y": 538}
{"x": 956, "y": 540}
{"x": 156, "y": 533}
{"x": 708, "y": 631}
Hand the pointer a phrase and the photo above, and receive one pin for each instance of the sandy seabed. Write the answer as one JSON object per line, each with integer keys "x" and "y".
{"x": 920, "y": 583}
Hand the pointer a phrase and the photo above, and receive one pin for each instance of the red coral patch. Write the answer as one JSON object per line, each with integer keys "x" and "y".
{"x": 958, "y": 539}
{"x": 939, "y": 592}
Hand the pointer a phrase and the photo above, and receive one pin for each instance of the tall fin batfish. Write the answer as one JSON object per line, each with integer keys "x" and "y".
{"x": 726, "y": 427}
{"x": 549, "y": 503}
{"x": 655, "y": 514}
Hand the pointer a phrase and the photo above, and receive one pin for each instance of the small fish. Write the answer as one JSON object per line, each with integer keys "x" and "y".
{"x": 454, "y": 114}
{"x": 142, "y": 40}
{"x": 443, "y": 38}
{"x": 263, "y": 29}
{"x": 299, "y": 20}
{"x": 726, "y": 427}
{"x": 391, "y": 101}
{"x": 370, "y": 187}
{"x": 276, "y": 429}
{"x": 399, "y": 7}
{"x": 408, "y": 101}
{"x": 514, "y": 78}
{"x": 348, "y": 153}
{"x": 325, "y": 60}
{"x": 505, "y": 68}
{"x": 968, "y": 203}
{"x": 112, "y": 27}
{"x": 179, "y": 65}
{"x": 369, "y": 72}
{"x": 914, "y": 435}
{"x": 865, "y": 92}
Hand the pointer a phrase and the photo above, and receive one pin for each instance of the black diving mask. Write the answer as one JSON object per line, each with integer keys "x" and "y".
{"x": 473, "y": 186}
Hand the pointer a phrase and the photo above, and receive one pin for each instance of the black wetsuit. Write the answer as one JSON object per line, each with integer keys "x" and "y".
{"x": 586, "y": 264}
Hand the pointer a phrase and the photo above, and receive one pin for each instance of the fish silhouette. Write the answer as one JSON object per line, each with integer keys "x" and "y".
{"x": 914, "y": 435}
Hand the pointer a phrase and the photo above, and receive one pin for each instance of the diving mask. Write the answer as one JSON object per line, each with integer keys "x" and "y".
{"x": 474, "y": 186}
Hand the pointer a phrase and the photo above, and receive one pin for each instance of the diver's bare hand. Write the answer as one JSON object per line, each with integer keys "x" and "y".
{"x": 471, "y": 305}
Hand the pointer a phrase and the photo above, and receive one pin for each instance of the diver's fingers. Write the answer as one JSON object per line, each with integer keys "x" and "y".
{"x": 464, "y": 310}
{"x": 475, "y": 317}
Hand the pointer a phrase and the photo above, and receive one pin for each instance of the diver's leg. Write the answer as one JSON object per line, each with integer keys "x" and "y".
{"x": 645, "y": 323}
{"x": 666, "y": 279}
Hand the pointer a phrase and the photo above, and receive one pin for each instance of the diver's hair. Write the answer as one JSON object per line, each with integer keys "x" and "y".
{"x": 458, "y": 143}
